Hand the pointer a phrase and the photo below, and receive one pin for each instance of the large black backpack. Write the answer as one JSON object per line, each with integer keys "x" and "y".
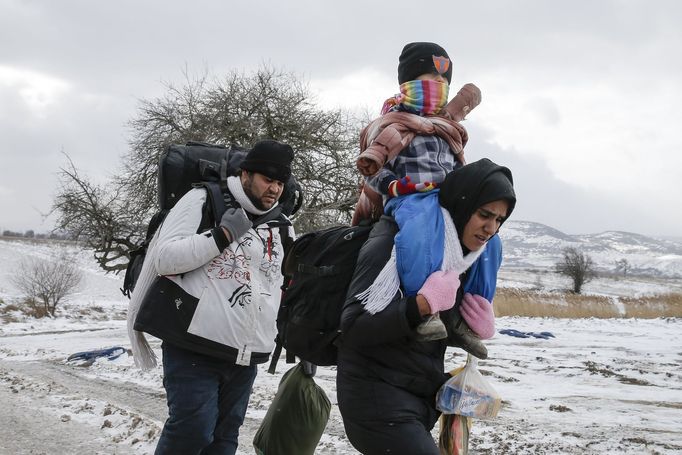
{"x": 317, "y": 270}
{"x": 183, "y": 167}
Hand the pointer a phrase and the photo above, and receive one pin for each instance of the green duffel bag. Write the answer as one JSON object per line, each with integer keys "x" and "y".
{"x": 296, "y": 417}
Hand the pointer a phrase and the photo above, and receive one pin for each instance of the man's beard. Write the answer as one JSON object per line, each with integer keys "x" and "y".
{"x": 252, "y": 197}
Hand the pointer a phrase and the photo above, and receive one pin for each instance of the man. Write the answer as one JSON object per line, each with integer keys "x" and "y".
{"x": 234, "y": 272}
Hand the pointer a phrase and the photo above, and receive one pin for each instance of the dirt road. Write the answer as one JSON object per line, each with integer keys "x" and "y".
{"x": 58, "y": 409}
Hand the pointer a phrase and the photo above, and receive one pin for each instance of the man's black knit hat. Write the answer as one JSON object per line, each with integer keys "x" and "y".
{"x": 422, "y": 58}
{"x": 270, "y": 158}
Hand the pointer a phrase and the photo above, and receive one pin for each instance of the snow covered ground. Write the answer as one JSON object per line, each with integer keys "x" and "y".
{"x": 547, "y": 280}
{"x": 599, "y": 386}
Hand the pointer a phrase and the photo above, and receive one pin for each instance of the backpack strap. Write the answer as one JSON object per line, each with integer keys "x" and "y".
{"x": 290, "y": 358}
{"x": 214, "y": 199}
{"x": 136, "y": 256}
{"x": 215, "y": 191}
{"x": 275, "y": 355}
{"x": 223, "y": 175}
{"x": 287, "y": 241}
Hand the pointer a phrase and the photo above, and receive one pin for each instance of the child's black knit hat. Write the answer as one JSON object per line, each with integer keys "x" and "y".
{"x": 422, "y": 58}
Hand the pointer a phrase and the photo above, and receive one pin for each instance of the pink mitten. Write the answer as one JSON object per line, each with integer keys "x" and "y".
{"x": 478, "y": 314}
{"x": 440, "y": 290}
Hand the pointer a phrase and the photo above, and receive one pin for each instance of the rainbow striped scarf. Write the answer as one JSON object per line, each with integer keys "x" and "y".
{"x": 422, "y": 97}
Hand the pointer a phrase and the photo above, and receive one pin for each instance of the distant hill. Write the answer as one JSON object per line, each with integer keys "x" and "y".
{"x": 531, "y": 245}
{"x": 534, "y": 245}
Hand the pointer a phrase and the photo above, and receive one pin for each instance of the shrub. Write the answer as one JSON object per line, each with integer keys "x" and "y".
{"x": 576, "y": 265}
{"x": 46, "y": 282}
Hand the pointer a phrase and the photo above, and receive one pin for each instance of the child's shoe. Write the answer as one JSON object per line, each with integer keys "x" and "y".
{"x": 431, "y": 329}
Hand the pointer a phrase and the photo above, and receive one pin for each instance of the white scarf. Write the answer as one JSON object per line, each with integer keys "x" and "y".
{"x": 377, "y": 297}
{"x": 234, "y": 184}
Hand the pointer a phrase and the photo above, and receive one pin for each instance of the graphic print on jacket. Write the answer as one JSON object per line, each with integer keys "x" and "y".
{"x": 239, "y": 292}
{"x": 234, "y": 265}
{"x": 271, "y": 257}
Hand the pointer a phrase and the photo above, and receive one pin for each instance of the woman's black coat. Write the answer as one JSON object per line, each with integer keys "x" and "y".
{"x": 381, "y": 347}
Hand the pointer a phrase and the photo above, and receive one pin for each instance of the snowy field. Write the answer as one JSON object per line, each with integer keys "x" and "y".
{"x": 599, "y": 386}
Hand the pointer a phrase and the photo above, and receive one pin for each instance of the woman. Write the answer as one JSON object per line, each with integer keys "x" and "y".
{"x": 387, "y": 379}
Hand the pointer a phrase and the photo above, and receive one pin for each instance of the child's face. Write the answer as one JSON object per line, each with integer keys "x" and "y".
{"x": 433, "y": 77}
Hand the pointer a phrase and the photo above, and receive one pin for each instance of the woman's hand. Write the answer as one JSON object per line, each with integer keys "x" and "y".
{"x": 440, "y": 290}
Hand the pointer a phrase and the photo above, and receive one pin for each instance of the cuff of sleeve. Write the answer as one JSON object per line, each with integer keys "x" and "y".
{"x": 385, "y": 184}
{"x": 412, "y": 312}
{"x": 220, "y": 238}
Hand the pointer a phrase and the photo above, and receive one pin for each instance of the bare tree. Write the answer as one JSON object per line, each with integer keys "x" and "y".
{"x": 578, "y": 266}
{"x": 239, "y": 109}
{"x": 622, "y": 265}
{"x": 47, "y": 280}
{"x": 98, "y": 215}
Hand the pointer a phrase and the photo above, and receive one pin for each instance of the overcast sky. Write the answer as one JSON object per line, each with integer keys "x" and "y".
{"x": 581, "y": 99}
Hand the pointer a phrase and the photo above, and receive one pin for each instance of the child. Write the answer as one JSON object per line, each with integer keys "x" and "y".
{"x": 418, "y": 113}
{"x": 407, "y": 152}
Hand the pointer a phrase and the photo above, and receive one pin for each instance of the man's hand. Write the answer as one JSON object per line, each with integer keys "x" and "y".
{"x": 235, "y": 223}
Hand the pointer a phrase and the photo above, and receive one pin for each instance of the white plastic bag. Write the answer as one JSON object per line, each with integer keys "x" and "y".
{"x": 469, "y": 394}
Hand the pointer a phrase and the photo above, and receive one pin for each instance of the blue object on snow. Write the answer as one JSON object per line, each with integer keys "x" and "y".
{"x": 519, "y": 334}
{"x": 514, "y": 333}
{"x": 109, "y": 353}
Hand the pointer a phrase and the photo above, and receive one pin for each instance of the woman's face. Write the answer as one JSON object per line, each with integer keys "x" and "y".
{"x": 483, "y": 224}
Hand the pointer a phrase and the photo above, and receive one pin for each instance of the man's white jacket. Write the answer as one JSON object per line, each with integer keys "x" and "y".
{"x": 238, "y": 288}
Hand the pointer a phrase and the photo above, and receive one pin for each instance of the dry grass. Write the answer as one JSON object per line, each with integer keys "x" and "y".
{"x": 31, "y": 307}
{"x": 665, "y": 305}
{"x": 95, "y": 312}
{"x": 28, "y": 307}
{"x": 516, "y": 302}
{"x": 8, "y": 312}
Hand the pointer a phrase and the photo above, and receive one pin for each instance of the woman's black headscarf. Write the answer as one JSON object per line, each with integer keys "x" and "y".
{"x": 473, "y": 185}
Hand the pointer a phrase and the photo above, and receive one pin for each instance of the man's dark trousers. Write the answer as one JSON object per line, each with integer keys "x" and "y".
{"x": 207, "y": 400}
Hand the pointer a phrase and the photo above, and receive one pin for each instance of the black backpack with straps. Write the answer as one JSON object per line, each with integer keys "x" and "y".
{"x": 317, "y": 271}
{"x": 197, "y": 164}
